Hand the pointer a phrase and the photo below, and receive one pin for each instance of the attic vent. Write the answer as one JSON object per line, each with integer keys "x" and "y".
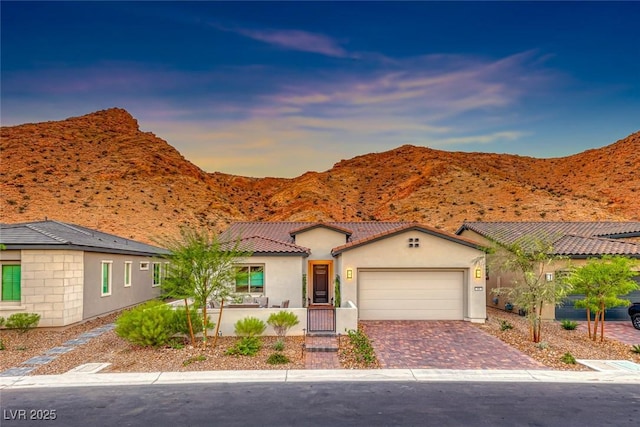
{"x": 414, "y": 242}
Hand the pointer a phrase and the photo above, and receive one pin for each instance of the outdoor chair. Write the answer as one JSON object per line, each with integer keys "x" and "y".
{"x": 285, "y": 304}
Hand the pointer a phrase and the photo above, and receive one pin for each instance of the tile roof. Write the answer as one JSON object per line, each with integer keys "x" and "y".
{"x": 59, "y": 235}
{"x": 574, "y": 239}
{"x": 264, "y": 245}
{"x": 275, "y": 234}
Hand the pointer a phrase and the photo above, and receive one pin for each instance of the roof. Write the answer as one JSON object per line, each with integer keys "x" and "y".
{"x": 573, "y": 239}
{"x": 265, "y": 246}
{"x": 51, "y": 234}
{"x": 273, "y": 235}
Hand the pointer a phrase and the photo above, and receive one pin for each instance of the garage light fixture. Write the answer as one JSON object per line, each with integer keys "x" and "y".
{"x": 349, "y": 273}
{"x": 478, "y": 273}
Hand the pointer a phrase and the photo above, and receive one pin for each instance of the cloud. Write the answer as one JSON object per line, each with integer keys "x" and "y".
{"x": 303, "y": 41}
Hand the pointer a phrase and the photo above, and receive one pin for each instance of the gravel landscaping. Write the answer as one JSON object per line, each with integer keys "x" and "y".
{"x": 125, "y": 357}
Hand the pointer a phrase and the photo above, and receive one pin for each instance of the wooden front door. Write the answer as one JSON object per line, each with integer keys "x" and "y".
{"x": 321, "y": 284}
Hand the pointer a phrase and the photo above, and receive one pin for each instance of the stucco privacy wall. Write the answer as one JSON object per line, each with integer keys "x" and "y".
{"x": 141, "y": 288}
{"x": 433, "y": 253}
{"x": 52, "y": 286}
{"x": 282, "y": 278}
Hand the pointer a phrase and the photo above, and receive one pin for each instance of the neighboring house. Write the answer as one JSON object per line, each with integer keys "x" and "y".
{"x": 389, "y": 270}
{"x": 577, "y": 241}
{"x": 68, "y": 273}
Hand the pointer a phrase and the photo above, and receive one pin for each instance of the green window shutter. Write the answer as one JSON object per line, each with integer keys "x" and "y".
{"x": 11, "y": 283}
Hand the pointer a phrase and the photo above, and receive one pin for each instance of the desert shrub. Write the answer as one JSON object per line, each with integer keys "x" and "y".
{"x": 198, "y": 358}
{"x": 568, "y": 358}
{"x": 568, "y": 325}
{"x": 282, "y": 321}
{"x": 246, "y": 346}
{"x": 505, "y": 325}
{"x": 181, "y": 325}
{"x": 542, "y": 345}
{"x": 277, "y": 359}
{"x": 1, "y": 321}
{"x": 279, "y": 345}
{"x": 249, "y": 327}
{"x": 635, "y": 348}
{"x": 23, "y": 321}
{"x": 148, "y": 325}
{"x": 362, "y": 347}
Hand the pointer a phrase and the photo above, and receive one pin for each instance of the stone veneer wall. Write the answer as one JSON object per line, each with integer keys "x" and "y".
{"x": 52, "y": 285}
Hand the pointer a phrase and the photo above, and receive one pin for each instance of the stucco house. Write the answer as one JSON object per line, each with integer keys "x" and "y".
{"x": 577, "y": 241}
{"x": 388, "y": 270}
{"x": 68, "y": 273}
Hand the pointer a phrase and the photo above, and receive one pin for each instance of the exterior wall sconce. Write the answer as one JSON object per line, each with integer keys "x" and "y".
{"x": 478, "y": 273}
{"x": 349, "y": 273}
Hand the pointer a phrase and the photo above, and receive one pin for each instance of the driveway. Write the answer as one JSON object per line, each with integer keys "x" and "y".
{"x": 441, "y": 345}
{"x": 619, "y": 331}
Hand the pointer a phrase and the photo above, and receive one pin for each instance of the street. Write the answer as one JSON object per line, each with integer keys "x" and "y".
{"x": 326, "y": 403}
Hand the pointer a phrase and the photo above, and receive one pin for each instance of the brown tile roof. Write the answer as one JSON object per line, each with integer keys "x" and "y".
{"x": 275, "y": 234}
{"x": 264, "y": 245}
{"x": 574, "y": 239}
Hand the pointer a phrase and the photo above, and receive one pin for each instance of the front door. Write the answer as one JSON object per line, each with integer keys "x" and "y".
{"x": 320, "y": 283}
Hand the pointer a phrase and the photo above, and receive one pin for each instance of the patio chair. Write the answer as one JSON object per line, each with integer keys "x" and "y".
{"x": 285, "y": 304}
{"x": 263, "y": 302}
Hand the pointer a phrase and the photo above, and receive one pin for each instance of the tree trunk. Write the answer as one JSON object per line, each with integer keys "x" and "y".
{"x": 204, "y": 324}
{"x": 595, "y": 325}
{"x": 215, "y": 339}
{"x": 191, "y": 335}
{"x": 589, "y": 321}
{"x": 602, "y": 322}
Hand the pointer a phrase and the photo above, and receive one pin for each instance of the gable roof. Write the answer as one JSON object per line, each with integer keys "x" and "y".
{"x": 51, "y": 234}
{"x": 573, "y": 239}
{"x": 266, "y": 246}
{"x": 276, "y": 234}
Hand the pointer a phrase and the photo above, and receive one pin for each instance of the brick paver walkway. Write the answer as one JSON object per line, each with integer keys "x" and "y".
{"x": 441, "y": 345}
{"x": 321, "y": 359}
{"x": 619, "y": 331}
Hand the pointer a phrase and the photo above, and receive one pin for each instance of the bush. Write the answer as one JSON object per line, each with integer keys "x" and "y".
{"x": 568, "y": 325}
{"x": 505, "y": 325}
{"x": 362, "y": 347}
{"x": 247, "y": 346}
{"x": 23, "y": 321}
{"x": 181, "y": 325}
{"x": 282, "y": 321}
{"x": 249, "y": 327}
{"x": 148, "y": 325}
{"x": 635, "y": 348}
{"x": 1, "y": 321}
{"x": 277, "y": 359}
{"x": 279, "y": 345}
{"x": 568, "y": 358}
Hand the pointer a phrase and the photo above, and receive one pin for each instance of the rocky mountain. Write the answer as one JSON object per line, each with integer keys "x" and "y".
{"x": 101, "y": 171}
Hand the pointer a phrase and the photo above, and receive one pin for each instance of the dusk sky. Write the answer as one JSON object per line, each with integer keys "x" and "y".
{"x": 277, "y": 89}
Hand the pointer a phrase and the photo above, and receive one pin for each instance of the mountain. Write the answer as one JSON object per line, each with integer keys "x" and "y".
{"x": 101, "y": 171}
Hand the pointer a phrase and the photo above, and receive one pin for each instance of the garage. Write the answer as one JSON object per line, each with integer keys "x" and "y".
{"x": 410, "y": 294}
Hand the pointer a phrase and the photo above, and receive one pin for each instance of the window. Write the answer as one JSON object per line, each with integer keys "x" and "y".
{"x": 127, "y": 273}
{"x": 250, "y": 279}
{"x": 11, "y": 283}
{"x": 144, "y": 265}
{"x": 106, "y": 277}
{"x": 157, "y": 274}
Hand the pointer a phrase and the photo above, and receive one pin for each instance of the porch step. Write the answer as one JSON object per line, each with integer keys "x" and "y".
{"x": 321, "y": 344}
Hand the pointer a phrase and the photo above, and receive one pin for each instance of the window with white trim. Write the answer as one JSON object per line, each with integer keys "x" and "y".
{"x": 144, "y": 265}
{"x": 127, "y": 273}
{"x": 250, "y": 279}
{"x": 11, "y": 282}
{"x": 157, "y": 274}
{"x": 106, "y": 269}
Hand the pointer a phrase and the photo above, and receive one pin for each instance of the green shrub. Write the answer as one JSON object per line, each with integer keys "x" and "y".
{"x": 148, "y": 325}
{"x": 282, "y": 321}
{"x": 246, "y": 346}
{"x": 1, "y": 321}
{"x": 277, "y": 359}
{"x": 505, "y": 325}
{"x": 279, "y": 345}
{"x": 362, "y": 347}
{"x": 542, "y": 345}
{"x": 2, "y": 346}
{"x": 568, "y": 325}
{"x": 249, "y": 327}
{"x": 181, "y": 325}
{"x": 23, "y": 321}
{"x": 198, "y": 358}
{"x": 635, "y": 348}
{"x": 568, "y": 359}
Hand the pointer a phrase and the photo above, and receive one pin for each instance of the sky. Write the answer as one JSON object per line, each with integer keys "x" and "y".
{"x": 281, "y": 88}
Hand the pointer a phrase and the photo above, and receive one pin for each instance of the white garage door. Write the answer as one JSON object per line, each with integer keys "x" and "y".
{"x": 410, "y": 295}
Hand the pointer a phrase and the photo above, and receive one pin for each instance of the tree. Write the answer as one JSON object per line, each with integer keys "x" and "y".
{"x": 601, "y": 281}
{"x": 529, "y": 258}
{"x": 202, "y": 267}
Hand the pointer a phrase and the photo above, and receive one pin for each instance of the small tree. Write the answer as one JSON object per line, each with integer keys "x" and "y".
{"x": 281, "y": 322}
{"x": 602, "y": 281}
{"x": 528, "y": 258}
{"x": 203, "y": 268}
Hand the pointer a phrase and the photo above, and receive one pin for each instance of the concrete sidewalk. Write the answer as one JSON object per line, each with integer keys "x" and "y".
{"x": 409, "y": 375}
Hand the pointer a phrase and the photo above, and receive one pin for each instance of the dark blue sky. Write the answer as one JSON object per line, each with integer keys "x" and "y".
{"x": 272, "y": 88}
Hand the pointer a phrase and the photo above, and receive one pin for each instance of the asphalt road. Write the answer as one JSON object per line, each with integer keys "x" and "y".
{"x": 326, "y": 404}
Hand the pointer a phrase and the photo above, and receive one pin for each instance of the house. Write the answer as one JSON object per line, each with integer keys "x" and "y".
{"x": 68, "y": 273}
{"x": 577, "y": 241}
{"x": 388, "y": 270}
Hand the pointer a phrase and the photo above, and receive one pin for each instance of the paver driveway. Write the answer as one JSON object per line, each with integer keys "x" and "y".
{"x": 619, "y": 331}
{"x": 441, "y": 345}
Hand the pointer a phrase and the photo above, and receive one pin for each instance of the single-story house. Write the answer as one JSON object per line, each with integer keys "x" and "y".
{"x": 68, "y": 273}
{"x": 577, "y": 241}
{"x": 388, "y": 270}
